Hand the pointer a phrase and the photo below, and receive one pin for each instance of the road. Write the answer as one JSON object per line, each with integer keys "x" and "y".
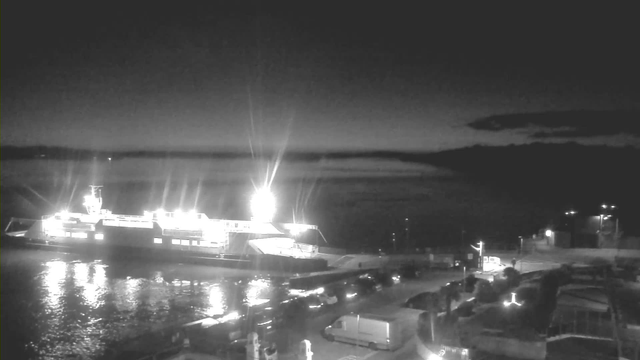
{"x": 385, "y": 302}
{"x": 388, "y": 302}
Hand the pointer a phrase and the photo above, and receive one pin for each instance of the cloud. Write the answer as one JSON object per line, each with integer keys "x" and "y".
{"x": 565, "y": 124}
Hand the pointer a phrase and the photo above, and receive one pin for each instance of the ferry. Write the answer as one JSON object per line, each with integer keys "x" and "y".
{"x": 175, "y": 236}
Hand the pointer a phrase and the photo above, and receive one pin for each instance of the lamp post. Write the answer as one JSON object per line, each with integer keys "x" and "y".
{"x": 572, "y": 222}
{"x": 406, "y": 229}
{"x": 393, "y": 240}
{"x": 607, "y": 212}
{"x": 521, "y": 251}
{"x": 357, "y": 331}
{"x": 479, "y": 249}
{"x": 521, "y": 245}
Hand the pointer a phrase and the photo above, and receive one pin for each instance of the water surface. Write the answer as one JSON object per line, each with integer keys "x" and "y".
{"x": 57, "y": 304}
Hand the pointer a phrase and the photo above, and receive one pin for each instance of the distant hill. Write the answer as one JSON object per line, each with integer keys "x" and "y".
{"x": 562, "y": 175}
{"x": 556, "y": 176}
{"x": 542, "y": 161}
{"x": 551, "y": 164}
{"x": 543, "y": 168}
{"x": 571, "y": 159}
{"x": 62, "y": 153}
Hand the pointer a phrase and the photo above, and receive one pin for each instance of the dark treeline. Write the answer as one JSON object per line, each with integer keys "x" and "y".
{"x": 558, "y": 175}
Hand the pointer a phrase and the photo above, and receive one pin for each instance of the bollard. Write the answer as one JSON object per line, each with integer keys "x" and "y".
{"x": 304, "y": 352}
{"x": 253, "y": 347}
{"x": 271, "y": 353}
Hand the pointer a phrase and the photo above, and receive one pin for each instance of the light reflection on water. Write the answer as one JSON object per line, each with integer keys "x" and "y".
{"x": 61, "y": 304}
{"x": 216, "y": 301}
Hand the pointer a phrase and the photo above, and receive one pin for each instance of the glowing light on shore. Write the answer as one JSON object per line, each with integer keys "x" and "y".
{"x": 513, "y": 301}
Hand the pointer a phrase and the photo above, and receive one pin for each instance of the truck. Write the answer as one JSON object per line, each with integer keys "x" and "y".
{"x": 375, "y": 331}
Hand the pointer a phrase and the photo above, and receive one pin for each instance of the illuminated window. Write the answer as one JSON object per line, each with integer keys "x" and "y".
{"x": 99, "y": 236}
{"x": 79, "y": 235}
{"x": 157, "y": 240}
{"x": 195, "y": 243}
{"x": 175, "y": 242}
{"x": 185, "y": 242}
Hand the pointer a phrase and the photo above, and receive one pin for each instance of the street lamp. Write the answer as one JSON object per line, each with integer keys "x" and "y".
{"x": 393, "y": 239}
{"x": 571, "y": 214}
{"x": 606, "y": 215}
{"x": 479, "y": 249}
{"x": 263, "y": 205}
{"x": 406, "y": 229}
{"x": 521, "y": 251}
{"x": 521, "y": 244}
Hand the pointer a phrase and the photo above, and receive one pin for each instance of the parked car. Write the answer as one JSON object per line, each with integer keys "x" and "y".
{"x": 409, "y": 271}
{"x": 367, "y": 284}
{"x": 387, "y": 278}
{"x": 313, "y": 304}
{"x": 360, "y": 287}
{"x": 328, "y": 298}
{"x": 289, "y": 311}
{"x": 422, "y": 301}
{"x": 465, "y": 309}
{"x": 467, "y": 284}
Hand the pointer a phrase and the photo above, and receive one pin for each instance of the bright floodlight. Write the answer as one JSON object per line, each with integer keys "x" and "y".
{"x": 64, "y": 213}
{"x": 548, "y": 233}
{"x": 513, "y": 301}
{"x": 263, "y": 205}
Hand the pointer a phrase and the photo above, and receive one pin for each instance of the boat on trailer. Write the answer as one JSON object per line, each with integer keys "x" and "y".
{"x": 171, "y": 236}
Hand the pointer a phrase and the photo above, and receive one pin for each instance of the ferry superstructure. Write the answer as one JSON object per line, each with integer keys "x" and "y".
{"x": 175, "y": 235}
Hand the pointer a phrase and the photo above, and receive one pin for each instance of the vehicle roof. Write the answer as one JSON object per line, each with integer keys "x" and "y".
{"x": 423, "y": 294}
{"x": 375, "y": 317}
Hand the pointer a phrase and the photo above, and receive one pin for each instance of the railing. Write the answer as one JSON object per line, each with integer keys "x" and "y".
{"x": 127, "y": 221}
{"x": 581, "y": 323}
{"x": 18, "y": 224}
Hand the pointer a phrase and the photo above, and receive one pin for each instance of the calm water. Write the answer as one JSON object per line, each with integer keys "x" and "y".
{"x": 57, "y": 304}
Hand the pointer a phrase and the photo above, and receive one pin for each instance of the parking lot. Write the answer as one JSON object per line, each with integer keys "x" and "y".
{"x": 387, "y": 302}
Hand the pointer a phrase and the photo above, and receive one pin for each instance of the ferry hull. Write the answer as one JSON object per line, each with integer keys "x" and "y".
{"x": 100, "y": 249}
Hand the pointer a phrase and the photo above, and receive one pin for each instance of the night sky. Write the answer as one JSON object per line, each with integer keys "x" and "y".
{"x": 316, "y": 75}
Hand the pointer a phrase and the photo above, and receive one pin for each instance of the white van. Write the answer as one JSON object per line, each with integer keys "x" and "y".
{"x": 374, "y": 331}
